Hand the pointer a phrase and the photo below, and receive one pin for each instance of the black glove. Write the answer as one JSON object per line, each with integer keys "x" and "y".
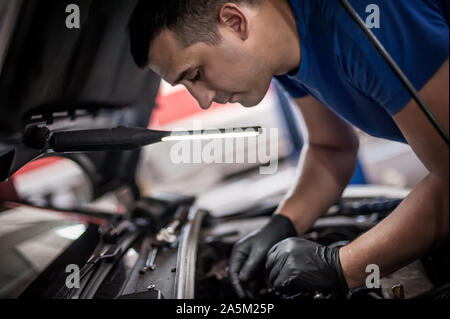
{"x": 298, "y": 265}
{"x": 249, "y": 253}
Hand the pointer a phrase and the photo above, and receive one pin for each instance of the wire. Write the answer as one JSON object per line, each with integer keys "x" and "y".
{"x": 395, "y": 68}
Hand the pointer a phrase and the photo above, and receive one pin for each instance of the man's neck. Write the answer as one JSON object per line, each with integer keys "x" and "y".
{"x": 286, "y": 37}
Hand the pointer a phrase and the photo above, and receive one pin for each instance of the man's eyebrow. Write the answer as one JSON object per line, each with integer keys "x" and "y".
{"x": 182, "y": 75}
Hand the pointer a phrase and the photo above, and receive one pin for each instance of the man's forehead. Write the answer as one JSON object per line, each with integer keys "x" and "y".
{"x": 166, "y": 55}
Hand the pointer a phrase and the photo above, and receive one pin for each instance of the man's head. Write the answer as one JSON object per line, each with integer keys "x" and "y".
{"x": 216, "y": 48}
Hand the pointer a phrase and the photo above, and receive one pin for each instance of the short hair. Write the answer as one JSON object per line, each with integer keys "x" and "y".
{"x": 192, "y": 20}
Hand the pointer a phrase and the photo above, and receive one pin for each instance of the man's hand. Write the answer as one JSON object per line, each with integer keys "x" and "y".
{"x": 298, "y": 265}
{"x": 249, "y": 253}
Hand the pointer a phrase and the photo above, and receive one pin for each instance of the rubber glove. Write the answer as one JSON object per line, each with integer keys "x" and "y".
{"x": 298, "y": 265}
{"x": 249, "y": 254}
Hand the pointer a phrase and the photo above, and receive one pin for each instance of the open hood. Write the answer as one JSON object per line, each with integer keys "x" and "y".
{"x": 51, "y": 72}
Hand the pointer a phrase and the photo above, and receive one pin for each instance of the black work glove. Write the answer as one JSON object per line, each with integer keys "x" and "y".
{"x": 298, "y": 265}
{"x": 249, "y": 253}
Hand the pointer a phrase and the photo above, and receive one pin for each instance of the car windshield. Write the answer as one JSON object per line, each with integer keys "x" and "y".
{"x": 30, "y": 240}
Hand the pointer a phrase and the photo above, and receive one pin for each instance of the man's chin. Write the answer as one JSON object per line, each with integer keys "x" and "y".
{"x": 251, "y": 102}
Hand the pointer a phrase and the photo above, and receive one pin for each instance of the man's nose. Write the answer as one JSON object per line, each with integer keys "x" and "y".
{"x": 203, "y": 95}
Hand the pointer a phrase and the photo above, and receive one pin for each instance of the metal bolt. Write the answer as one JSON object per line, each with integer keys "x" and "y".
{"x": 399, "y": 291}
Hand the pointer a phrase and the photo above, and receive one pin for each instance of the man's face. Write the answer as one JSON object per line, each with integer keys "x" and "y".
{"x": 231, "y": 71}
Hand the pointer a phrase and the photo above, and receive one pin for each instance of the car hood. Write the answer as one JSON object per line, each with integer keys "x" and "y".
{"x": 50, "y": 71}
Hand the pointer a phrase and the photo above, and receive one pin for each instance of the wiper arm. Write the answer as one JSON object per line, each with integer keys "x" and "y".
{"x": 98, "y": 266}
{"x": 109, "y": 254}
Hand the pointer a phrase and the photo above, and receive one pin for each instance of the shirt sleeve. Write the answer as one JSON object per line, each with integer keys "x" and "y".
{"x": 414, "y": 32}
{"x": 291, "y": 86}
{"x": 444, "y": 7}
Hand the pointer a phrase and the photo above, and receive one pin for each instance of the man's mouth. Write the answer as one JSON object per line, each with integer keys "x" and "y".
{"x": 225, "y": 100}
{"x": 232, "y": 99}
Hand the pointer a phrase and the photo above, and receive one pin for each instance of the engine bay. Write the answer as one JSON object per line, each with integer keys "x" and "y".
{"x": 195, "y": 265}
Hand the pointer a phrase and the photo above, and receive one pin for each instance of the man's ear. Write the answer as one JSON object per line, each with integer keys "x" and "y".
{"x": 232, "y": 17}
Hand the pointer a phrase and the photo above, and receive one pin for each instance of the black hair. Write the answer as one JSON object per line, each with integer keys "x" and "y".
{"x": 192, "y": 20}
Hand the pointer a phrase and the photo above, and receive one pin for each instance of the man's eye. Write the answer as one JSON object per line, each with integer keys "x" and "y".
{"x": 196, "y": 77}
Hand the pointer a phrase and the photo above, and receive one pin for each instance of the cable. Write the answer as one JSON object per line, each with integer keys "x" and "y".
{"x": 395, "y": 68}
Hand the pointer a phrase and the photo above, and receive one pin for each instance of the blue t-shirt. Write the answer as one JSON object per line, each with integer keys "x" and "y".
{"x": 342, "y": 69}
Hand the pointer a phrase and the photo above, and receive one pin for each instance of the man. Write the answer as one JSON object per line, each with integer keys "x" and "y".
{"x": 229, "y": 50}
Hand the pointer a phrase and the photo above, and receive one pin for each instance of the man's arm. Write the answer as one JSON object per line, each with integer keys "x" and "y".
{"x": 326, "y": 165}
{"x": 325, "y": 168}
{"x": 422, "y": 218}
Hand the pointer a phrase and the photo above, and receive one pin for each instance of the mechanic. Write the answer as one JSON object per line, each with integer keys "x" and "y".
{"x": 229, "y": 51}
